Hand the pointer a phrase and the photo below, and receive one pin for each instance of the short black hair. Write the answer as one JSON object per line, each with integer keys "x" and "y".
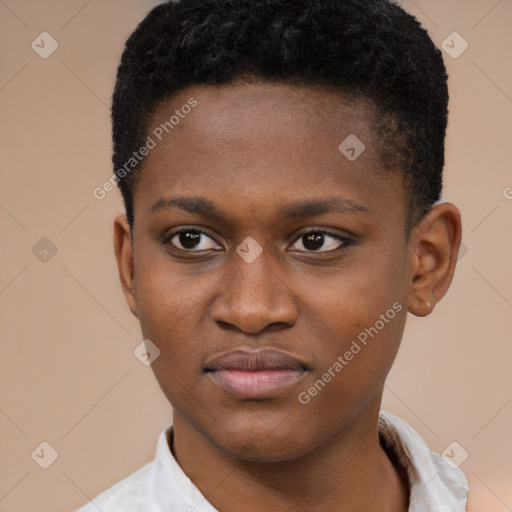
{"x": 367, "y": 49}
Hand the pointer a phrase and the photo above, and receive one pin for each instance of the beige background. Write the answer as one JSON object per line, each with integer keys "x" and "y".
{"x": 67, "y": 371}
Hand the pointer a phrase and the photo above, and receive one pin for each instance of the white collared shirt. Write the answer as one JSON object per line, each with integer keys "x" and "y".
{"x": 162, "y": 486}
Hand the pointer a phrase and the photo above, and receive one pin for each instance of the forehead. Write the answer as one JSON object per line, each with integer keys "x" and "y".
{"x": 264, "y": 143}
{"x": 246, "y": 109}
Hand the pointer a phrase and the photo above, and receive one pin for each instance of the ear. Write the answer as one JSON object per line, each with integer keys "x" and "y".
{"x": 433, "y": 250}
{"x": 124, "y": 257}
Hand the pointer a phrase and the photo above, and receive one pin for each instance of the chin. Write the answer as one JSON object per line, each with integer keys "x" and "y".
{"x": 261, "y": 451}
{"x": 261, "y": 443}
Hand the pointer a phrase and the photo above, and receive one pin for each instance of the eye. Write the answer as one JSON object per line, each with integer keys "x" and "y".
{"x": 192, "y": 240}
{"x": 313, "y": 241}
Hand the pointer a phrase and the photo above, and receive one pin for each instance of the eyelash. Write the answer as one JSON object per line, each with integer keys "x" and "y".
{"x": 346, "y": 241}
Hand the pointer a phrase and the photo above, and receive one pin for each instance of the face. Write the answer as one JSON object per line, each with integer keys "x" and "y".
{"x": 271, "y": 270}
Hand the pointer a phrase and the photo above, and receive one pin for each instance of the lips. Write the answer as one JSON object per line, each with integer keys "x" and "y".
{"x": 255, "y": 375}
{"x": 268, "y": 359}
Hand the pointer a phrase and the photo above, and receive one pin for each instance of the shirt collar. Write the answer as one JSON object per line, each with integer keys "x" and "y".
{"x": 433, "y": 483}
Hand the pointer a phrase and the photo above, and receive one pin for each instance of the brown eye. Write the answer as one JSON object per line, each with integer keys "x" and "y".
{"x": 192, "y": 239}
{"x": 313, "y": 241}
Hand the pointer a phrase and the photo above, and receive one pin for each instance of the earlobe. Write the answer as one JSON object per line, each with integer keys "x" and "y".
{"x": 433, "y": 249}
{"x": 124, "y": 257}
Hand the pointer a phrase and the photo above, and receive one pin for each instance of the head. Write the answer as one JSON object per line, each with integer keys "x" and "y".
{"x": 281, "y": 163}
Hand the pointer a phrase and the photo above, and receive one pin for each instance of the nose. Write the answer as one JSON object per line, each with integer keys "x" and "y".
{"x": 255, "y": 296}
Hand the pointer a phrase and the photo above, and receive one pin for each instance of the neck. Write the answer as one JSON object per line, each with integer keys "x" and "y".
{"x": 350, "y": 472}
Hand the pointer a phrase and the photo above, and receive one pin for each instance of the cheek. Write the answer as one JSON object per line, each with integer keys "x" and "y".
{"x": 166, "y": 292}
{"x": 351, "y": 372}
{"x": 351, "y": 299}
{"x": 360, "y": 346}
{"x": 169, "y": 307}
{"x": 356, "y": 322}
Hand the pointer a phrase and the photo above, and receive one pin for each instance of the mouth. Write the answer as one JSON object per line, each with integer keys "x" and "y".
{"x": 256, "y": 375}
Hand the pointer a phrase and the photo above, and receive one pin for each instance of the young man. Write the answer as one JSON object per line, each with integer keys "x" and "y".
{"x": 281, "y": 167}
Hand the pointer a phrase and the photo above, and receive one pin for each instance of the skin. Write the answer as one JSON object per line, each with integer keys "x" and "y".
{"x": 252, "y": 148}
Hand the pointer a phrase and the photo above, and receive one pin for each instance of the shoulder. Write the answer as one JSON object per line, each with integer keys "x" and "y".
{"x": 481, "y": 498}
{"x": 128, "y": 494}
{"x": 158, "y": 486}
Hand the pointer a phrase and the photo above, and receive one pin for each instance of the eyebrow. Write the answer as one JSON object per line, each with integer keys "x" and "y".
{"x": 298, "y": 210}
